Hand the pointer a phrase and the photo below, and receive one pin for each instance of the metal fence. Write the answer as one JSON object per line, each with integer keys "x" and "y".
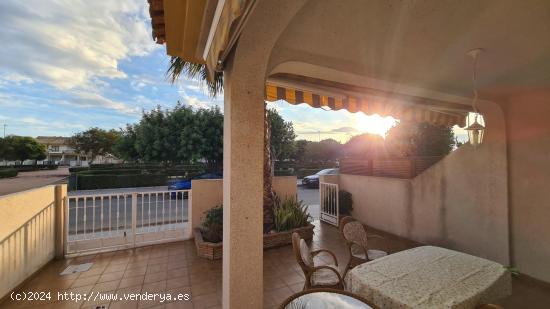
{"x": 106, "y": 222}
{"x": 329, "y": 202}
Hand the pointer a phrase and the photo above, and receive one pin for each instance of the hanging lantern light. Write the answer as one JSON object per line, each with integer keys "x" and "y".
{"x": 475, "y": 132}
{"x": 476, "y": 129}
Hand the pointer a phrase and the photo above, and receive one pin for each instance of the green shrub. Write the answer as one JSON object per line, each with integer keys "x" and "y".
{"x": 284, "y": 173}
{"x": 345, "y": 202}
{"x": 8, "y": 172}
{"x": 111, "y": 172}
{"x": 289, "y": 214}
{"x": 212, "y": 224}
{"x": 92, "y": 182}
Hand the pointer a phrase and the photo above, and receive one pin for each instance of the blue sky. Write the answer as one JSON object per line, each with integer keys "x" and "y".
{"x": 67, "y": 66}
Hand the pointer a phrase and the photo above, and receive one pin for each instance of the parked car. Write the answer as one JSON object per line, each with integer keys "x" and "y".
{"x": 312, "y": 181}
{"x": 185, "y": 184}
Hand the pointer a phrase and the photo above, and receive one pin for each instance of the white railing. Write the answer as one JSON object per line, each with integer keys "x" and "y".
{"x": 27, "y": 249}
{"x": 106, "y": 222}
{"x": 329, "y": 202}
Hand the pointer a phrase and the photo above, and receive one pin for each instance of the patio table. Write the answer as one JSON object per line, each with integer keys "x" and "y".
{"x": 430, "y": 277}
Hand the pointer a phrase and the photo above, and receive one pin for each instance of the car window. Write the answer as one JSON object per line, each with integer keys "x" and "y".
{"x": 328, "y": 171}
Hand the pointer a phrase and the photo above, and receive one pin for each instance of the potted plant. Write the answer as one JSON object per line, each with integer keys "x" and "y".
{"x": 209, "y": 236}
{"x": 290, "y": 216}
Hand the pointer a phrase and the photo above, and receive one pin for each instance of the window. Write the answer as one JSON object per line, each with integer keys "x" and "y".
{"x": 54, "y": 148}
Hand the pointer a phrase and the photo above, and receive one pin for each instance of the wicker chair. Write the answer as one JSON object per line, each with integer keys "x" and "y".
{"x": 297, "y": 301}
{"x": 316, "y": 276}
{"x": 356, "y": 238}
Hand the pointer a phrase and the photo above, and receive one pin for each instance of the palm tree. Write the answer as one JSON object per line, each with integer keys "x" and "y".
{"x": 215, "y": 87}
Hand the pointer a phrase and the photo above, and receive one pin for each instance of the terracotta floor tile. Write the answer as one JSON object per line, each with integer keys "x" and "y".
{"x": 131, "y": 281}
{"x": 135, "y": 272}
{"x": 123, "y": 305}
{"x": 91, "y": 280}
{"x": 154, "y": 277}
{"x": 178, "y": 282}
{"x": 205, "y": 301}
{"x": 175, "y": 268}
{"x": 179, "y": 305}
{"x": 105, "y": 277}
{"x": 154, "y": 287}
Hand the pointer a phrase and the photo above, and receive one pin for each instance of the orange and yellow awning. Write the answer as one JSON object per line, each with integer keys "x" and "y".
{"x": 403, "y": 112}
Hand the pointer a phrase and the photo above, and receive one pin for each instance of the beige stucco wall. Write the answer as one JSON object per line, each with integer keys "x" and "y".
{"x": 209, "y": 193}
{"x": 285, "y": 187}
{"x": 16, "y": 209}
{"x": 459, "y": 203}
{"x": 528, "y": 120}
{"x": 27, "y": 234}
{"x": 206, "y": 194}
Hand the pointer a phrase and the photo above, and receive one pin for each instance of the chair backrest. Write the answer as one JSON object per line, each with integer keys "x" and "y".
{"x": 353, "y": 231}
{"x": 300, "y": 299}
{"x": 302, "y": 252}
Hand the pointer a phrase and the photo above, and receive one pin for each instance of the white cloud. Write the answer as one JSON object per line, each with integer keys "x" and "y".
{"x": 194, "y": 95}
{"x": 68, "y": 43}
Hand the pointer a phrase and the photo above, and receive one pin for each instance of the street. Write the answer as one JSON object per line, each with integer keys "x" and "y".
{"x": 106, "y": 211}
{"x": 30, "y": 180}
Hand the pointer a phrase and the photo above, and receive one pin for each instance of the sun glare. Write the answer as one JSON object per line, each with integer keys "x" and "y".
{"x": 374, "y": 124}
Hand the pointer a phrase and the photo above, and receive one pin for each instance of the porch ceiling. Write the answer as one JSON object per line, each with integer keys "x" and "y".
{"x": 424, "y": 43}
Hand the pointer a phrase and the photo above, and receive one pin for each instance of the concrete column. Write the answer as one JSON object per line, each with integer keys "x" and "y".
{"x": 60, "y": 194}
{"x": 242, "y": 191}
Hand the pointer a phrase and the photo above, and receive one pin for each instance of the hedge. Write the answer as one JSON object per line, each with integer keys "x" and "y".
{"x": 111, "y": 172}
{"x": 92, "y": 182}
{"x": 284, "y": 173}
{"x": 8, "y": 172}
{"x": 30, "y": 168}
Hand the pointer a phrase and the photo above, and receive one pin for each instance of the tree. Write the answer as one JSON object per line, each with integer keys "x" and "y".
{"x": 325, "y": 150}
{"x": 21, "y": 148}
{"x": 282, "y": 136}
{"x": 420, "y": 139}
{"x": 215, "y": 86}
{"x": 365, "y": 146}
{"x": 299, "y": 150}
{"x": 178, "y": 135}
{"x": 209, "y": 128}
{"x": 94, "y": 142}
{"x": 125, "y": 148}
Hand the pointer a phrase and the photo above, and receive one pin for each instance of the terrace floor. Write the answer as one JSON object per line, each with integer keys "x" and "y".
{"x": 174, "y": 268}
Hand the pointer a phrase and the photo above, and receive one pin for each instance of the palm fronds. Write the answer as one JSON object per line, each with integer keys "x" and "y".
{"x": 195, "y": 71}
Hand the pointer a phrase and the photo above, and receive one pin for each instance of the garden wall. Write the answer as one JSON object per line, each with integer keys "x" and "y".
{"x": 208, "y": 193}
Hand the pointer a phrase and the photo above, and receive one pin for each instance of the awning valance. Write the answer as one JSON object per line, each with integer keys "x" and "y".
{"x": 403, "y": 112}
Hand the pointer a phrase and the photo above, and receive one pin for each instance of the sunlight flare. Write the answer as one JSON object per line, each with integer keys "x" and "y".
{"x": 374, "y": 124}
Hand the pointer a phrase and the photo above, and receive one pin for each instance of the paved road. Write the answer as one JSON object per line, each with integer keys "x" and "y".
{"x": 30, "y": 180}
{"x": 310, "y": 198}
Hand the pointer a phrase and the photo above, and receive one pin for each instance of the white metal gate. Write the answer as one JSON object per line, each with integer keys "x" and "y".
{"x": 329, "y": 202}
{"x": 114, "y": 221}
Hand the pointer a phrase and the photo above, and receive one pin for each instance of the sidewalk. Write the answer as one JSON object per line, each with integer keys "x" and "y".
{"x": 30, "y": 180}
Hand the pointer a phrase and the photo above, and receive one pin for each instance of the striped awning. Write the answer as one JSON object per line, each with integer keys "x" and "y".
{"x": 403, "y": 112}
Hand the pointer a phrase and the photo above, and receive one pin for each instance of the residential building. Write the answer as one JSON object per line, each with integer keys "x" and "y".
{"x": 59, "y": 150}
